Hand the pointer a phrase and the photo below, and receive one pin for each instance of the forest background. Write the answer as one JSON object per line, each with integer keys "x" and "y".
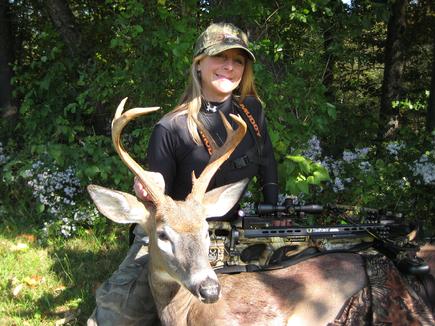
{"x": 348, "y": 91}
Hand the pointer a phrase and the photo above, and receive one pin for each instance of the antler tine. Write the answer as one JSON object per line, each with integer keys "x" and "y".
{"x": 119, "y": 121}
{"x": 219, "y": 155}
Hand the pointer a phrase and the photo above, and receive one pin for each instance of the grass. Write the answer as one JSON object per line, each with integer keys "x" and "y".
{"x": 54, "y": 283}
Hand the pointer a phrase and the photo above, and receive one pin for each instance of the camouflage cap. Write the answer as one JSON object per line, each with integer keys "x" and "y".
{"x": 221, "y": 37}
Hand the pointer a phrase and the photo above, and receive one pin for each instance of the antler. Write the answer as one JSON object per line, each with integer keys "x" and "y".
{"x": 119, "y": 121}
{"x": 219, "y": 154}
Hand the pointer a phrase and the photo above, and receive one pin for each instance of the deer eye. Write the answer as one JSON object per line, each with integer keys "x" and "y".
{"x": 163, "y": 236}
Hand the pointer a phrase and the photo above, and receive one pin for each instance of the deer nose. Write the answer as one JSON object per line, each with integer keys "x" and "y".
{"x": 209, "y": 291}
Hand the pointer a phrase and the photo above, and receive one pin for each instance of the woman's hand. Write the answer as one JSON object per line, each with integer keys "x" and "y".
{"x": 140, "y": 190}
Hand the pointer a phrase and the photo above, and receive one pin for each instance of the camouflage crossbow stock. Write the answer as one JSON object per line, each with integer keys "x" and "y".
{"x": 253, "y": 242}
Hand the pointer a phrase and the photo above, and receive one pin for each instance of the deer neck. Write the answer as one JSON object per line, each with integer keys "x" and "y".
{"x": 177, "y": 306}
{"x": 173, "y": 302}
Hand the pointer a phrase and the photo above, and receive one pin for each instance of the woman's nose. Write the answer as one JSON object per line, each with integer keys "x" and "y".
{"x": 228, "y": 64}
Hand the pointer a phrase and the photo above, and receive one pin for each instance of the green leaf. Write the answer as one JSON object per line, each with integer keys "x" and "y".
{"x": 115, "y": 42}
{"x": 40, "y": 208}
{"x": 291, "y": 187}
{"x": 305, "y": 166}
{"x": 138, "y": 29}
{"x": 289, "y": 168}
{"x": 303, "y": 187}
{"x": 92, "y": 170}
{"x": 300, "y": 178}
{"x": 8, "y": 176}
{"x": 296, "y": 158}
{"x": 45, "y": 83}
{"x": 321, "y": 175}
{"x": 56, "y": 152}
{"x": 332, "y": 112}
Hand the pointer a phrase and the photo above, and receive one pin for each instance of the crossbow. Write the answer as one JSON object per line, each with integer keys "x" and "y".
{"x": 257, "y": 242}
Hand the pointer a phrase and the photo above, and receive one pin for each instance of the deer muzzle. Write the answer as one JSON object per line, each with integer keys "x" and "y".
{"x": 209, "y": 291}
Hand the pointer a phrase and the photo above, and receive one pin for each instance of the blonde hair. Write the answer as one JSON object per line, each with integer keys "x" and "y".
{"x": 191, "y": 100}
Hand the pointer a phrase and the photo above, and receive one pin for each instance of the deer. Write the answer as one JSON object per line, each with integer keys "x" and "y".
{"x": 186, "y": 289}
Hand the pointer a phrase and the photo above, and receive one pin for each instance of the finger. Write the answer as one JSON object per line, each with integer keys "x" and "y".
{"x": 141, "y": 192}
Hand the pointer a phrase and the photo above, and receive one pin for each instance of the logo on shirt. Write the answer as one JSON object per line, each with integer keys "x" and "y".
{"x": 211, "y": 108}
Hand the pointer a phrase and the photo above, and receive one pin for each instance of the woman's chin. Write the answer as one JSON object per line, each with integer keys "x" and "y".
{"x": 225, "y": 88}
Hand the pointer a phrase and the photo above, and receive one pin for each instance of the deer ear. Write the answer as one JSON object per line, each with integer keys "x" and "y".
{"x": 219, "y": 201}
{"x": 119, "y": 206}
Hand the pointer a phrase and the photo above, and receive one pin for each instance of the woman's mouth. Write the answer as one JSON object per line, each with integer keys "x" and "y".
{"x": 223, "y": 77}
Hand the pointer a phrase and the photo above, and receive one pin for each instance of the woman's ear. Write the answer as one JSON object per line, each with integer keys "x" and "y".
{"x": 198, "y": 67}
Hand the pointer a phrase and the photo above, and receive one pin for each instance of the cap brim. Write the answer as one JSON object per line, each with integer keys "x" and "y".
{"x": 214, "y": 50}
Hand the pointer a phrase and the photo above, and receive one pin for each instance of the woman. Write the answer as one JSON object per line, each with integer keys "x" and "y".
{"x": 221, "y": 79}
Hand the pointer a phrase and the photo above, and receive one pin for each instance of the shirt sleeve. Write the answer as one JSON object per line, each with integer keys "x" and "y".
{"x": 268, "y": 168}
{"x": 160, "y": 155}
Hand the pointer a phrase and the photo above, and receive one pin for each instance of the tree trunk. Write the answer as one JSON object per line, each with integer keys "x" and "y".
{"x": 393, "y": 71}
{"x": 6, "y": 58}
{"x": 329, "y": 58}
{"x": 64, "y": 21}
{"x": 330, "y": 26}
{"x": 430, "y": 118}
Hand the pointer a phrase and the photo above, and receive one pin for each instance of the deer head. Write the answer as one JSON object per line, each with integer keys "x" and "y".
{"x": 178, "y": 230}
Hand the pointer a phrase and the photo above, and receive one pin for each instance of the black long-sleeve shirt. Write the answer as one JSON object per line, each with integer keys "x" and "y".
{"x": 173, "y": 153}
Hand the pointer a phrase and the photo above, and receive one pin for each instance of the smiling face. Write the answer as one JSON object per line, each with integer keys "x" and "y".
{"x": 221, "y": 74}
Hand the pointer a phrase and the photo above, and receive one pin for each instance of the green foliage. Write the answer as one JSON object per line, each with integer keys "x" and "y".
{"x": 412, "y": 105}
{"x": 66, "y": 104}
{"x": 301, "y": 173}
{"x": 143, "y": 50}
{"x": 401, "y": 181}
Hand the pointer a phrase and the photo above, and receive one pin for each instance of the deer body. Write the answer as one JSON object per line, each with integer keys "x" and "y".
{"x": 185, "y": 288}
{"x": 311, "y": 293}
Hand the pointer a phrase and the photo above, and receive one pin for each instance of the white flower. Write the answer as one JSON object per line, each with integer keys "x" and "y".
{"x": 393, "y": 148}
{"x": 425, "y": 169}
{"x": 349, "y": 156}
{"x": 314, "y": 150}
{"x": 283, "y": 197}
{"x": 247, "y": 194}
{"x": 333, "y": 166}
{"x": 3, "y": 158}
{"x": 403, "y": 183}
{"x": 362, "y": 152}
{"x": 365, "y": 166}
{"x": 338, "y": 185}
{"x": 57, "y": 191}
